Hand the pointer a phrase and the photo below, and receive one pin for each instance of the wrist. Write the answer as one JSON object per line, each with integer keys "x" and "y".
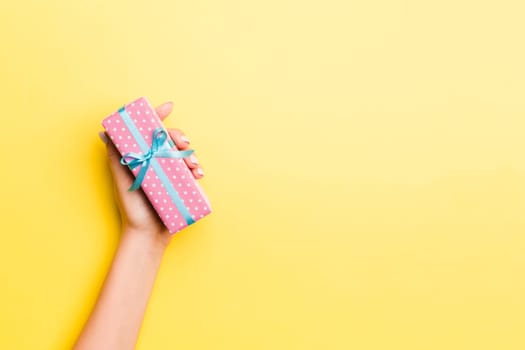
{"x": 152, "y": 240}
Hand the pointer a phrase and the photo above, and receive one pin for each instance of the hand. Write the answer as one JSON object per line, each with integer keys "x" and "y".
{"x": 137, "y": 214}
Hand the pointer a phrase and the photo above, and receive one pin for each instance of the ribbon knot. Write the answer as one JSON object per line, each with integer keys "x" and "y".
{"x": 158, "y": 149}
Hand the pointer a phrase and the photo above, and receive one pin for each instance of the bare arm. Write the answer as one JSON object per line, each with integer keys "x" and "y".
{"x": 116, "y": 319}
{"x": 118, "y": 313}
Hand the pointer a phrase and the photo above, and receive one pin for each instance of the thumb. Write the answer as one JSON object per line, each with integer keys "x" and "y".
{"x": 121, "y": 174}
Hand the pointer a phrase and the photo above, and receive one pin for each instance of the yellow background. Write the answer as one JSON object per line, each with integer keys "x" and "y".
{"x": 364, "y": 160}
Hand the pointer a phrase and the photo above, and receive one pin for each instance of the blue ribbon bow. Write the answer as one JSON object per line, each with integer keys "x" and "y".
{"x": 158, "y": 139}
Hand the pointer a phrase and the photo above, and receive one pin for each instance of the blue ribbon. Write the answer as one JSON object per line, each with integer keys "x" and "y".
{"x": 133, "y": 160}
{"x": 159, "y": 149}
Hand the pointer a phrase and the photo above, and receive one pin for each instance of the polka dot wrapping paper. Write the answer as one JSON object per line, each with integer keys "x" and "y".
{"x": 168, "y": 183}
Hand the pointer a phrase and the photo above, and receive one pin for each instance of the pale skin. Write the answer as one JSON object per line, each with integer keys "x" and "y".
{"x": 117, "y": 315}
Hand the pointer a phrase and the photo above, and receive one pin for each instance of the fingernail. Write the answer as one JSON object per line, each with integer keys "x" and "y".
{"x": 200, "y": 172}
{"x": 185, "y": 139}
{"x": 103, "y": 137}
{"x": 194, "y": 159}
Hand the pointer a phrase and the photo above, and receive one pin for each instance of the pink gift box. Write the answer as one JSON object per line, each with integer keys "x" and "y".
{"x": 168, "y": 183}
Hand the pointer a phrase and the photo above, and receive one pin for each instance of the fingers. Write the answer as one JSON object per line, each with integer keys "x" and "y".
{"x": 124, "y": 177}
{"x": 183, "y": 143}
{"x": 198, "y": 173}
{"x": 164, "y": 110}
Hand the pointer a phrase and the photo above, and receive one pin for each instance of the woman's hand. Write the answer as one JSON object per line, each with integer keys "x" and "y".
{"x": 138, "y": 216}
{"x": 116, "y": 318}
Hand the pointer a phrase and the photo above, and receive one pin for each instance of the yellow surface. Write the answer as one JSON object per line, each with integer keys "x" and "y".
{"x": 364, "y": 160}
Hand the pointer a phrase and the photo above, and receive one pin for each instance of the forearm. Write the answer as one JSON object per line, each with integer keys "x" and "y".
{"x": 116, "y": 319}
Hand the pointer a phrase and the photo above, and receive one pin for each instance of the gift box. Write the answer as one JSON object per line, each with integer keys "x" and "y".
{"x": 158, "y": 166}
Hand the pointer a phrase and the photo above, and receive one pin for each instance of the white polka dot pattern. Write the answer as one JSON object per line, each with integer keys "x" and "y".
{"x": 146, "y": 120}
